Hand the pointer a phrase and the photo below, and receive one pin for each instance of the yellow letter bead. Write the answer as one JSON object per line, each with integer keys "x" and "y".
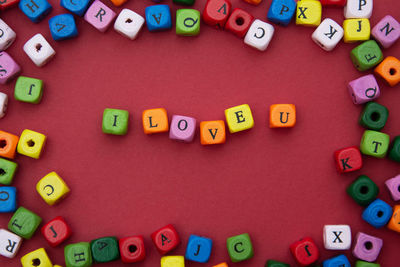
{"x": 172, "y": 261}
{"x": 52, "y": 188}
{"x": 356, "y": 30}
{"x": 308, "y": 13}
{"x": 31, "y": 144}
{"x": 36, "y": 258}
{"x": 239, "y": 118}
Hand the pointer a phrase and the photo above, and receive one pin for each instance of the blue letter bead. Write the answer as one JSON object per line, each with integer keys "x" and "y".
{"x": 378, "y": 213}
{"x": 281, "y": 11}
{"x": 35, "y": 10}
{"x": 198, "y": 249}
{"x": 339, "y": 261}
{"x": 158, "y": 18}
{"x": 8, "y": 199}
{"x": 63, "y": 27}
{"x": 78, "y": 7}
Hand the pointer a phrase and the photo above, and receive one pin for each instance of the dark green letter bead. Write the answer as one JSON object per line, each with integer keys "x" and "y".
{"x": 115, "y": 121}
{"x": 24, "y": 223}
{"x": 187, "y": 22}
{"x": 7, "y": 171}
{"x": 394, "y": 152}
{"x": 240, "y": 247}
{"x": 28, "y": 90}
{"x": 374, "y": 116}
{"x": 184, "y": 2}
{"x": 105, "y": 249}
{"x": 78, "y": 255}
{"x": 272, "y": 263}
{"x": 366, "y": 56}
{"x": 363, "y": 190}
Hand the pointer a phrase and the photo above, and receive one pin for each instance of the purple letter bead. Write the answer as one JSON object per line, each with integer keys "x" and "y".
{"x": 182, "y": 128}
{"x": 364, "y": 89}
{"x": 367, "y": 247}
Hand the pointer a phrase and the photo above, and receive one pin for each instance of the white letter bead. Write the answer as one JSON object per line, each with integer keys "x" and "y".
{"x": 39, "y": 50}
{"x": 356, "y": 9}
{"x": 7, "y": 36}
{"x": 9, "y": 243}
{"x": 3, "y": 104}
{"x": 337, "y": 237}
{"x": 129, "y": 23}
{"x": 259, "y": 35}
{"x": 328, "y": 34}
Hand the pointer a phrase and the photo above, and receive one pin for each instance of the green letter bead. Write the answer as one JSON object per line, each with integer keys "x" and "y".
{"x": 272, "y": 263}
{"x": 28, "y": 90}
{"x": 240, "y": 247}
{"x": 105, "y": 249}
{"x": 7, "y": 171}
{"x": 366, "y": 56}
{"x": 374, "y": 116}
{"x": 394, "y": 153}
{"x": 115, "y": 121}
{"x": 374, "y": 144}
{"x": 366, "y": 264}
{"x": 363, "y": 190}
{"x": 187, "y": 22}
{"x": 78, "y": 255}
{"x": 24, "y": 223}
{"x": 184, "y": 2}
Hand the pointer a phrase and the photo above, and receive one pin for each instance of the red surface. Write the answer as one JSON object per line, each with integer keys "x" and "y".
{"x": 278, "y": 185}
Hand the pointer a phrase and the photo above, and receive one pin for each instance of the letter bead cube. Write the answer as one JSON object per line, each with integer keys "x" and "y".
{"x": 118, "y": 2}
{"x": 394, "y": 152}
{"x": 216, "y": 13}
{"x": 9, "y": 243}
{"x": 364, "y": 89}
{"x": 337, "y": 261}
{"x": 52, "y": 188}
{"x": 7, "y": 171}
{"x": 6, "y": 4}
{"x": 105, "y": 249}
{"x": 29, "y": 90}
{"x": 281, "y": 11}
{"x": 389, "y": 70}
{"x": 239, "y": 22}
{"x": 3, "y": 104}
{"x": 184, "y": 2}
{"x": 366, "y": 56}
{"x": 253, "y": 2}
{"x": 165, "y": 239}
{"x": 56, "y": 231}
{"x": 155, "y": 121}
{"x": 328, "y": 34}
{"x": 7, "y": 36}
{"x": 366, "y": 264}
{"x": 100, "y": 16}
{"x": 129, "y": 23}
{"x": 172, "y": 261}
{"x": 39, "y": 50}
{"x": 363, "y": 190}
{"x": 367, "y": 247}
{"x": 76, "y": 7}
{"x": 8, "y": 199}
{"x": 393, "y": 185}
{"x": 240, "y": 248}
{"x": 158, "y": 18}
{"x": 308, "y": 13}
{"x": 337, "y": 237}
{"x": 35, "y": 10}
{"x": 24, "y": 223}
{"x": 182, "y": 128}
{"x": 348, "y": 159}
{"x": 224, "y": 264}
{"x": 273, "y": 263}
{"x": 187, "y": 22}
{"x": 386, "y": 31}
{"x": 374, "y": 116}
{"x": 374, "y": 144}
{"x": 378, "y": 213}
{"x": 132, "y": 249}
{"x": 198, "y": 249}
{"x": 63, "y": 27}
{"x": 239, "y": 118}
{"x": 212, "y": 132}
{"x": 8, "y": 145}
{"x": 305, "y": 251}
{"x": 356, "y": 30}
{"x": 394, "y": 223}
{"x": 115, "y": 121}
{"x": 358, "y": 9}
{"x": 31, "y": 144}
{"x": 259, "y": 35}
{"x": 282, "y": 116}
{"x": 36, "y": 258}
{"x": 78, "y": 255}
{"x": 339, "y": 3}
{"x": 9, "y": 69}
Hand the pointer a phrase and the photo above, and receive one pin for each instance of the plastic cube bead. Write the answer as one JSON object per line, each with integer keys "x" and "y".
{"x": 253, "y": 2}
{"x": 356, "y": 30}
{"x": 273, "y": 263}
{"x": 378, "y": 213}
{"x": 240, "y": 248}
{"x": 386, "y": 31}
{"x": 339, "y": 3}
{"x": 282, "y": 116}
{"x": 366, "y": 264}
{"x": 29, "y": 90}
{"x": 374, "y": 144}
{"x": 224, "y": 264}
{"x": 36, "y": 258}
{"x": 129, "y": 23}
{"x": 165, "y": 239}
{"x": 6, "y": 4}
{"x": 305, "y": 251}
{"x": 216, "y": 13}
{"x": 7, "y": 36}
{"x": 158, "y": 18}
{"x": 337, "y": 237}
{"x": 155, "y": 121}
{"x": 348, "y": 159}
{"x": 239, "y": 118}
{"x": 39, "y": 50}
{"x": 76, "y": 7}
{"x": 99, "y": 16}
{"x": 363, "y": 190}
{"x": 394, "y": 223}
{"x": 3, "y": 104}
{"x": 259, "y": 35}
{"x": 337, "y": 261}
{"x": 358, "y": 9}
{"x": 56, "y": 231}
{"x": 132, "y": 249}
{"x": 374, "y": 116}
{"x": 187, "y": 22}
{"x": 105, "y": 249}
{"x": 78, "y": 255}
{"x": 172, "y": 261}
{"x": 63, "y": 27}
{"x": 198, "y": 249}
{"x": 212, "y": 132}
{"x": 184, "y": 2}
{"x": 7, "y": 171}
{"x": 394, "y": 151}
{"x": 35, "y": 10}
{"x": 52, "y": 188}
{"x": 115, "y": 121}
{"x": 9, "y": 69}
{"x": 9, "y": 243}
{"x": 281, "y": 11}
{"x": 364, "y": 89}
{"x": 182, "y": 128}
{"x": 8, "y": 199}
{"x": 31, "y": 144}
{"x": 24, "y": 223}
{"x": 8, "y": 145}
{"x": 366, "y": 56}
{"x": 308, "y": 13}
{"x": 328, "y": 34}
{"x": 389, "y": 70}
{"x": 393, "y": 185}
{"x": 367, "y": 247}
{"x": 118, "y": 2}
{"x": 239, "y": 22}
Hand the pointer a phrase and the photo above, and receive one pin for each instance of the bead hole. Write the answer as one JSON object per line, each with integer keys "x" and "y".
{"x": 128, "y": 20}
{"x": 2, "y": 172}
{"x": 3, "y": 143}
{"x": 392, "y": 71}
{"x": 30, "y": 143}
{"x": 239, "y": 21}
{"x": 380, "y": 214}
{"x": 36, "y": 262}
{"x": 375, "y": 116}
{"x": 38, "y": 47}
{"x": 132, "y": 248}
{"x": 368, "y": 245}
{"x": 398, "y": 188}
{"x": 364, "y": 189}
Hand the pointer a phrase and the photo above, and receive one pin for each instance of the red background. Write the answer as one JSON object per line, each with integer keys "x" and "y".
{"x": 278, "y": 185}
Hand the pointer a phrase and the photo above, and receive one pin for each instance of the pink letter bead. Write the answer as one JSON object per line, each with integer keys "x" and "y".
{"x": 393, "y": 185}
{"x": 387, "y": 31}
{"x": 182, "y": 128}
{"x": 8, "y": 68}
{"x": 364, "y": 89}
{"x": 367, "y": 247}
{"x": 100, "y": 16}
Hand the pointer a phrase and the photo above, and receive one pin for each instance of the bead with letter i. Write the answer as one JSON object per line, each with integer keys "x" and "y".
{"x": 308, "y": 13}
{"x": 282, "y": 116}
{"x": 35, "y": 10}
{"x": 216, "y": 13}
{"x": 281, "y": 11}
{"x": 378, "y": 213}
{"x": 129, "y": 23}
{"x": 105, "y": 249}
{"x": 366, "y": 56}
{"x": 198, "y": 249}
{"x": 9, "y": 244}
{"x": 165, "y": 239}
{"x": 8, "y": 144}
{"x": 240, "y": 248}
{"x": 24, "y": 223}
{"x": 367, "y": 247}
{"x": 99, "y": 16}
{"x": 358, "y": 9}
{"x": 259, "y": 35}
{"x": 305, "y": 251}
{"x": 132, "y": 249}
{"x": 363, "y": 190}
{"x": 52, "y": 188}
{"x": 239, "y": 118}
{"x": 338, "y": 261}
{"x": 212, "y": 132}
{"x": 78, "y": 255}
{"x": 31, "y": 144}
{"x": 77, "y": 7}
{"x": 29, "y": 90}
{"x": 239, "y": 22}
{"x": 9, "y": 69}
{"x": 356, "y": 30}
{"x": 39, "y": 50}
{"x": 8, "y": 199}
{"x": 7, "y": 171}
{"x": 155, "y": 121}
{"x": 389, "y": 70}
{"x": 182, "y": 128}
{"x": 3, "y": 104}
{"x": 328, "y": 34}
{"x": 158, "y": 18}
{"x": 337, "y": 237}
{"x": 7, "y": 36}
{"x": 364, "y": 89}
{"x": 386, "y": 31}
{"x": 187, "y": 22}
{"x": 56, "y": 231}
{"x": 172, "y": 261}
{"x": 38, "y": 257}
{"x": 63, "y": 27}
{"x": 374, "y": 144}
{"x": 115, "y": 121}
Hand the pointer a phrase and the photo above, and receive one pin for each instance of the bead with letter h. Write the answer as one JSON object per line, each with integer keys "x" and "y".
{"x": 337, "y": 237}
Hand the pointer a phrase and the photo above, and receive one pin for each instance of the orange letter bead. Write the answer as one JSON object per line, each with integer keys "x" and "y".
{"x": 155, "y": 121}
{"x": 8, "y": 145}
{"x": 224, "y": 264}
{"x": 253, "y": 2}
{"x": 118, "y": 2}
{"x": 282, "y": 116}
{"x": 389, "y": 70}
{"x": 394, "y": 223}
{"x": 212, "y": 132}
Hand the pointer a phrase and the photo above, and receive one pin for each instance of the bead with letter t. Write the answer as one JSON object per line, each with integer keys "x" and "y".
{"x": 165, "y": 239}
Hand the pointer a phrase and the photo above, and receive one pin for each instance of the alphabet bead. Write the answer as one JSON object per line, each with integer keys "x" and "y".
{"x": 39, "y": 50}
{"x": 339, "y": 3}
{"x": 184, "y": 2}
{"x": 118, "y": 2}
{"x": 212, "y": 132}
{"x": 9, "y": 243}
{"x": 7, "y": 171}
{"x": 259, "y": 35}
{"x": 8, "y": 145}
{"x": 158, "y": 18}
{"x": 8, "y": 199}
{"x": 363, "y": 190}
{"x": 105, "y": 249}
{"x": 129, "y": 23}
{"x": 366, "y": 56}
{"x": 224, "y": 264}
{"x": 308, "y": 13}
{"x": 394, "y": 152}
{"x": 356, "y": 30}
{"x": 282, "y": 116}
{"x": 364, "y": 89}
{"x": 348, "y": 159}
{"x": 115, "y": 121}
{"x": 216, "y": 13}
{"x": 253, "y": 2}
{"x": 393, "y": 185}
{"x": 56, "y": 231}
{"x": 155, "y": 121}
{"x": 281, "y": 11}
{"x": 198, "y": 249}
{"x": 378, "y": 213}
{"x": 36, "y": 258}
{"x": 9, "y": 68}
{"x": 24, "y": 223}
{"x": 6, "y": 4}
{"x": 389, "y": 70}
{"x": 63, "y": 27}
{"x": 366, "y": 264}
{"x": 187, "y": 22}
{"x": 340, "y": 260}
{"x": 305, "y": 251}
{"x": 7, "y": 36}
{"x": 78, "y": 255}
{"x": 328, "y": 34}
{"x": 35, "y": 10}
{"x": 358, "y": 9}
{"x": 31, "y": 144}
{"x": 394, "y": 223}
{"x": 77, "y": 7}
{"x": 99, "y": 16}
{"x": 240, "y": 247}
{"x": 172, "y": 261}
{"x": 337, "y": 237}
{"x": 273, "y": 263}
{"x": 367, "y": 247}
{"x": 132, "y": 249}
{"x": 239, "y": 22}
{"x": 386, "y": 31}
{"x": 374, "y": 116}
{"x": 182, "y": 128}
{"x": 3, "y": 104}
{"x": 374, "y": 144}
{"x": 29, "y": 90}
{"x": 52, "y": 188}
{"x": 239, "y": 118}
{"x": 165, "y": 239}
